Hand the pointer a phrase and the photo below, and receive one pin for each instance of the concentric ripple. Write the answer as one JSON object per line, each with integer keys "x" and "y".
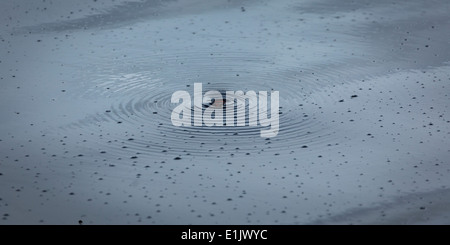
{"x": 142, "y": 106}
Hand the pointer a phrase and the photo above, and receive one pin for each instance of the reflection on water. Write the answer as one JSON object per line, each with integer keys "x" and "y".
{"x": 86, "y": 98}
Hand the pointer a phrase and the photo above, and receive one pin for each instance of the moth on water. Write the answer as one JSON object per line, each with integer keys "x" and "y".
{"x": 214, "y": 108}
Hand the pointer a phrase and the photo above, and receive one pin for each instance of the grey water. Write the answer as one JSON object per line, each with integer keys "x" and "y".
{"x": 85, "y": 112}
